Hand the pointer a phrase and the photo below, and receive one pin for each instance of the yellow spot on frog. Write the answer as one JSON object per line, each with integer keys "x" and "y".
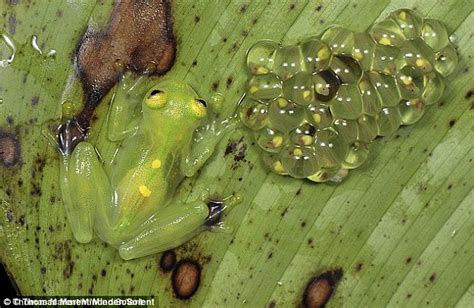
{"x": 144, "y": 191}
{"x": 262, "y": 70}
{"x": 324, "y": 53}
{"x": 156, "y": 164}
{"x": 385, "y": 41}
{"x": 307, "y": 95}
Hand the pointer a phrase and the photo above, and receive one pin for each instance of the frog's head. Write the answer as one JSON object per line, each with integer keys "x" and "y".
{"x": 174, "y": 102}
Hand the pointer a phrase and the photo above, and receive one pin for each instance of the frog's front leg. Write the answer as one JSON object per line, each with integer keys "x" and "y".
{"x": 124, "y": 113}
{"x": 84, "y": 184}
{"x": 206, "y": 139}
{"x": 174, "y": 225}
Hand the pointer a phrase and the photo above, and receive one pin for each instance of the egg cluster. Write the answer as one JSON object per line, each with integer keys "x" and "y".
{"x": 315, "y": 107}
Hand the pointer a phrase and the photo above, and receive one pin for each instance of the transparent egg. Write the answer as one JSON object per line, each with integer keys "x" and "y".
{"x": 270, "y": 140}
{"x": 411, "y": 82}
{"x": 340, "y": 40}
{"x": 386, "y": 88}
{"x": 411, "y": 111}
{"x": 370, "y": 102}
{"x": 347, "y": 129}
{"x": 265, "y": 87}
{"x": 388, "y": 121}
{"x": 416, "y": 53}
{"x": 409, "y": 22}
{"x": 340, "y": 175}
{"x": 319, "y": 115}
{"x": 299, "y": 89}
{"x": 347, "y": 104}
{"x": 285, "y": 115}
{"x": 446, "y": 60}
{"x": 316, "y": 54}
{"x": 363, "y": 50}
{"x": 299, "y": 161}
{"x": 260, "y": 57}
{"x": 346, "y": 68}
{"x": 367, "y": 129}
{"x": 288, "y": 61}
{"x": 304, "y": 135}
{"x": 434, "y": 89}
{"x": 357, "y": 155}
{"x": 388, "y": 33}
{"x": 330, "y": 148}
{"x": 323, "y": 175}
{"x": 385, "y": 59}
{"x": 326, "y": 84}
{"x": 273, "y": 162}
{"x": 253, "y": 114}
{"x": 435, "y": 34}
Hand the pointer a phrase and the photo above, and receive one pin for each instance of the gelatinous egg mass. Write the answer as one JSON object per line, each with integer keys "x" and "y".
{"x": 314, "y": 108}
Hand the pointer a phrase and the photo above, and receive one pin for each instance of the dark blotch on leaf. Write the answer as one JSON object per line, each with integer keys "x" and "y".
{"x": 469, "y": 94}
{"x": 319, "y": 289}
{"x": 168, "y": 260}
{"x": 9, "y": 149}
{"x": 35, "y": 100}
{"x": 138, "y": 37}
{"x": 186, "y": 278}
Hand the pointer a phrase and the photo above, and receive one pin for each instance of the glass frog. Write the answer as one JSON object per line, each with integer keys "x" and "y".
{"x": 129, "y": 201}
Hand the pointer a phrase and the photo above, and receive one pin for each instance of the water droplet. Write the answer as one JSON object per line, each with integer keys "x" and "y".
{"x": 12, "y": 49}
{"x": 34, "y": 43}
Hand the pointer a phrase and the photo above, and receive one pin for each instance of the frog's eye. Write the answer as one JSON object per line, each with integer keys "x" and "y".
{"x": 156, "y": 99}
{"x": 202, "y": 102}
{"x": 199, "y": 107}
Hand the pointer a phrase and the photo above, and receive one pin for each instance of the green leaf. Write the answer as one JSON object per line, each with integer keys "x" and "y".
{"x": 401, "y": 227}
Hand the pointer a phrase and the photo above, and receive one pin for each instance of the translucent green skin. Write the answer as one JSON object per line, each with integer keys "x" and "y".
{"x": 342, "y": 91}
{"x": 129, "y": 201}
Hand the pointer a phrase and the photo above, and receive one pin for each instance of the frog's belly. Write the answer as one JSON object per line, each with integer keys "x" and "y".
{"x": 140, "y": 195}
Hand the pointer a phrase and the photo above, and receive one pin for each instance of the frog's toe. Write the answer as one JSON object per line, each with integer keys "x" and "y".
{"x": 217, "y": 207}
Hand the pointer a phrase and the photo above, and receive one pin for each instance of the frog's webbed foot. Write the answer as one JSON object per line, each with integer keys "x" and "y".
{"x": 206, "y": 139}
{"x": 176, "y": 224}
{"x": 216, "y": 209}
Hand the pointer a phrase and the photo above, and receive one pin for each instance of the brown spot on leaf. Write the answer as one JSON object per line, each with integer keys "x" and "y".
{"x": 9, "y": 149}
{"x": 35, "y": 100}
{"x": 469, "y": 94}
{"x": 138, "y": 37}
{"x": 452, "y": 122}
{"x": 319, "y": 289}
{"x": 185, "y": 278}
{"x": 168, "y": 260}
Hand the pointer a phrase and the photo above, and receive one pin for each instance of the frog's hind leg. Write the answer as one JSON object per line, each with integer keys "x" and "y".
{"x": 83, "y": 185}
{"x": 174, "y": 225}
